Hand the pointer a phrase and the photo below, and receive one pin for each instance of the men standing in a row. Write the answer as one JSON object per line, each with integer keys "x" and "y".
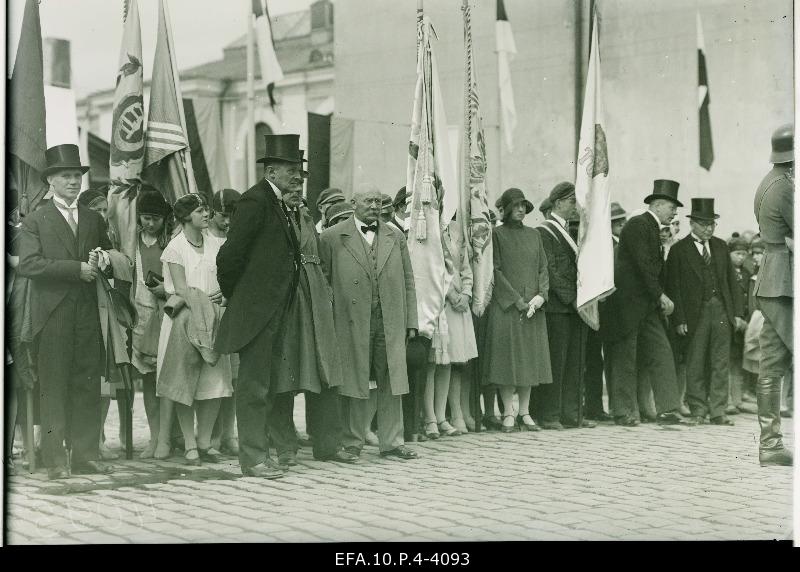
{"x": 708, "y": 305}
{"x": 58, "y": 253}
{"x": 774, "y": 203}
{"x": 375, "y": 310}
{"x": 634, "y": 332}
{"x": 258, "y": 272}
{"x": 558, "y": 402}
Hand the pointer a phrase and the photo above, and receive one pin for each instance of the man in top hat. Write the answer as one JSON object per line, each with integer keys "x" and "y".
{"x": 632, "y": 329}
{"x": 258, "y": 271}
{"x": 375, "y": 312}
{"x": 327, "y": 198}
{"x": 59, "y": 254}
{"x": 700, "y": 280}
{"x": 774, "y": 203}
{"x": 558, "y": 403}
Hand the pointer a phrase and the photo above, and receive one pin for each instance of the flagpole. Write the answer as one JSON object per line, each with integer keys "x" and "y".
{"x": 251, "y": 100}
{"x": 185, "y": 153}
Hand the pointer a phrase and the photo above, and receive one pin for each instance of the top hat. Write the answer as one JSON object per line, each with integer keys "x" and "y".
{"x": 512, "y": 196}
{"x": 783, "y": 144}
{"x": 617, "y": 212}
{"x": 282, "y": 148}
{"x": 664, "y": 189}
{"x": 61, "y": 158}
{"x": 703, "y": 209}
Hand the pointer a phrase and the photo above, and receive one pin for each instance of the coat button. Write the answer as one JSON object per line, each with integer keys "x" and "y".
{"x": 354, "y": 301}
{"x": 355, "y": 281}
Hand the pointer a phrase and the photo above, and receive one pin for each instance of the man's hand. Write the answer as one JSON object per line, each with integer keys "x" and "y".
{"x": 88, "y": 272}
{"x": 740, "y": 324}
{"x": 667, "y": 306}
{"x": 682, "y": 330}
{"x": 94, "y": 258}
{"x": 411, "y": 333}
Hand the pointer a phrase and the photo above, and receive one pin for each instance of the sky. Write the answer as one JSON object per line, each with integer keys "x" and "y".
{"x": 201, "y": 28}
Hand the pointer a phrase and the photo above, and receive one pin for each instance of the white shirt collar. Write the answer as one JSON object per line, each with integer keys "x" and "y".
{"x": 368, "y": 236}
{"x": 61, "y": 204}
{"x": 697, "y": 239}
{"x": 655, "y": 217}
{"x": 275, "y": 189}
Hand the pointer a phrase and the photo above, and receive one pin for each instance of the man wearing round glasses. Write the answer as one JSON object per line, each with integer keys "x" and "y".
{"x": 700, "y": 281}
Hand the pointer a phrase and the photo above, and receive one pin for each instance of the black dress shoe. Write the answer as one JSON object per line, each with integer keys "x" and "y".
{"x": 57, "y": 473}
{"x": 492, "y": 422}
{"x": 287, "y": 459}
{"x": 552, "y": 425}
{"x": 721, "y": 420}
{"x": 264, "y": 471}
{"x": 573, "y": 424}
{"x": 355, "y": 451}
{"x": 401, "y": 452}
{"x": 598, "y": 416}
{"x": 340, "y": 456}
{"x": 675, "y": 418}
{"x": 91, "y": 468}
{"x": 626, "y": 421}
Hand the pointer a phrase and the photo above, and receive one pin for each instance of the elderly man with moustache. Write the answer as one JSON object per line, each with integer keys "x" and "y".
{"x": 375, "y": 312}
{"x": 59, "y": 254}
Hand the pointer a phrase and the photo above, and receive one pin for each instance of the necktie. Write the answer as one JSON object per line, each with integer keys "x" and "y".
{"x": 365, "y": 228}
{"x": 706, "y": 254}
{"x": 73, "y": 225}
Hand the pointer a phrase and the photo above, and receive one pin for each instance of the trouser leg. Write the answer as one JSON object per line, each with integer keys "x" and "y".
{"x": 719, "y": 353}
{"x": 659, "y": 363}
{"x": 324, "y": 411}
{"x": 356, "y": 416}
{"x": 593, "y": 376}
{"x": 548, "y": 396}
{"x": 622, "y": 375}
{"x": 572, "y": 381}
{"x": 281, "y": 423}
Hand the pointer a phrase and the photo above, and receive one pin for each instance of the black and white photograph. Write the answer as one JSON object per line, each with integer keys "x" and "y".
{"x": 397, "y": 278}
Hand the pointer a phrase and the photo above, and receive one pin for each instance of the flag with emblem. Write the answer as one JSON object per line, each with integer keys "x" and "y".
{"x": 431, "y": 180}
{"x": 26, "y": 118}
{"x": 474, "y": 208}
{"x": 506, "y": 49}
{"x": 703, "y": 98}
{"x": 127, "y": 134}
{"x": 595, "y": 246}
{"x": 271, "y": 71}
{"x": 166, "y": 152}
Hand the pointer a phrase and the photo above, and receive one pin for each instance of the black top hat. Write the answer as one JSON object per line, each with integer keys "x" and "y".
{"x": 510, "y": 197}
{"x": 282, "y": 148}
{"x": 783, "y": 144}
{"x": 664, "y": 189}
{"x": 703, "y": 209}
{"x": 62, "y": 157}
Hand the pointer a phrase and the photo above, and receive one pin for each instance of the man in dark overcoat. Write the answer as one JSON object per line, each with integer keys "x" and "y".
{"x": 258, "y": 270}
{"x": 58, "y": 253}
{"x": 636, "y": 339}
{"x": 375, "y": 312}
{"x": 708, "y": 305}
{"x": 558, "y": 402}
{"x": 774, "y": 202}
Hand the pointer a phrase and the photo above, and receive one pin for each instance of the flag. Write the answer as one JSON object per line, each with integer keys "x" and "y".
{"x": 595, "y": 246}
{"x": 431, "y": 181}
{"x": 27, "y": 128}
{"x": 204, "y": 130}
{"x": 166, "y": 158}
{"x": 506, "y": 48}
{"x": 474, "y": 211}
{"x": 126, "y": 152}
{"x": 271, "y": 71}
{"x": 703, "y": 99}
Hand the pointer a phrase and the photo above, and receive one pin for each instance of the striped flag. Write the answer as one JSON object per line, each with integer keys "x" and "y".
{"x": 271, "y": 71}
{"x": 474, "y": 211}
{"x": 166, "y": 158}
{"x": 595, "y": 246}
{"x": 506, "y": 48}
{"x": 127, "y": 134}
{"x": 26, "y": 118}
{"x": 431, "y": 181}
{"x": 703, "y": 99}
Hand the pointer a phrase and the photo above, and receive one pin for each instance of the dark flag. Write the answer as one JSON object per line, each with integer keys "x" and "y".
{"x": 706, "y": 145}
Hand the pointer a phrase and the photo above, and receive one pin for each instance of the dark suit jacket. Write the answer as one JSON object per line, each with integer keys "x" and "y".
{"x": 637, "y": 275}
{"x": 685, "y": 281}
{"x": 562, "y": 268}
{"x": 50, "y": 255}
{"x": 257, "y": 267}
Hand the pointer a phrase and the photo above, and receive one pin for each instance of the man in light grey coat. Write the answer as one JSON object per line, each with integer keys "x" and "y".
{"x": 375, "y": 311}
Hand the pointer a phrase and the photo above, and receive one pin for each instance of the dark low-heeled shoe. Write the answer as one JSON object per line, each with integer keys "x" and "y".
{"x": 401, "y": 452}
{"x": 721, "y": 420}
{"x": 532, "y": 426}
{"x": 91, "y": 468}
{"x": 209, "y": 455}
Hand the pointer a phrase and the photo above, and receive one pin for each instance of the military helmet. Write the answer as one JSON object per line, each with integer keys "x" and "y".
{"x": 783, "y": 144}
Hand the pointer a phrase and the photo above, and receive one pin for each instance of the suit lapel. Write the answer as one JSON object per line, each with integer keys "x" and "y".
{"x": 695, "y": 258}
{"x": 60, "y": 227}
{"x": 352, "y": 241}
{"x": 385, "y": 245}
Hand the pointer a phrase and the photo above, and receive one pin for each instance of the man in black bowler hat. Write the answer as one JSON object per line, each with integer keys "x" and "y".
{"x": 258, "y": 271}
{"x": 700, "y": 281}
{"x": 59, "y": 254}
{"x": 633, "y": 331}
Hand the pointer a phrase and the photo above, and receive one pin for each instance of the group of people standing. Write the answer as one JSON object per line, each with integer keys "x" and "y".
{"x": 247, "y": 303}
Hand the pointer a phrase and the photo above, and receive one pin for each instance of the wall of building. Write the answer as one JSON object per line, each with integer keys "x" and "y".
{"x": 649, "y": 63}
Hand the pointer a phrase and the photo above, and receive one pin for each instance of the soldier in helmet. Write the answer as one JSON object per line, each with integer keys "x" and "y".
{"x": 773, "y": 291}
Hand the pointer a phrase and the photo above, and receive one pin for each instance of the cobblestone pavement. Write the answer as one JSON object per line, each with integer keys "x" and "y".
{"x": 650, "y": 482}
